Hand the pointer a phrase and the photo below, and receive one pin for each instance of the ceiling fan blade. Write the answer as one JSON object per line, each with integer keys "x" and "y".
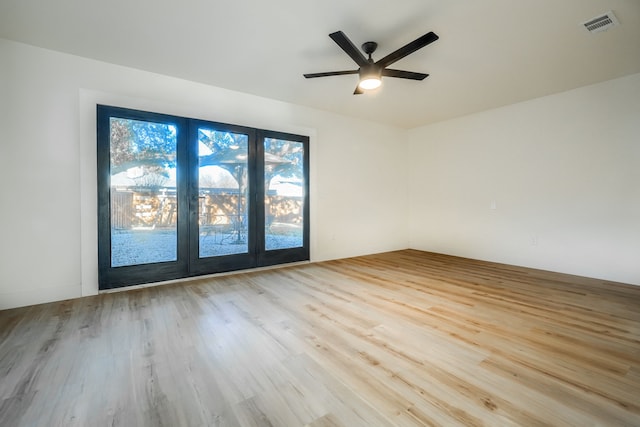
{"x": 407, "y": 49}
{"x": 330, "y": 73}
{"x": 404, "y": 74}
{"x": 358, "y": 91}
{"x": 350, "y": 49}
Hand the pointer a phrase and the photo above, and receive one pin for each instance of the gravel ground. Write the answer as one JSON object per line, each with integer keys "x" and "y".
{"x": 146, "y": 246}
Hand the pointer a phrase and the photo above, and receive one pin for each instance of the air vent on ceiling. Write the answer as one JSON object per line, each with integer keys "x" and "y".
{"x": 601, "y": 23}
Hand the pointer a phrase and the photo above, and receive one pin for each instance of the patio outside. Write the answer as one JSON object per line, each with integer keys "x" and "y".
{"x": 144, "y": 201}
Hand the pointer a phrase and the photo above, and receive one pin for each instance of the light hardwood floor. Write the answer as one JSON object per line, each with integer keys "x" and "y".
{"x": 399, "y": 339}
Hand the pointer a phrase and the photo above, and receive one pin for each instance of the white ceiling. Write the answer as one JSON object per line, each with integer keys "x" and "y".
{"x": 490, "y": 53}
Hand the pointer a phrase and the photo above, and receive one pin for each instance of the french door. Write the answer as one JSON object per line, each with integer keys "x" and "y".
{"x": 180, "y": 197}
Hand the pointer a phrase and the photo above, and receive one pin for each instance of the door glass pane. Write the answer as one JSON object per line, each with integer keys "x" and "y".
{"x": 144, "y": 209}
{"x": 284, "y": 193}
{"x": 222, "y": 193}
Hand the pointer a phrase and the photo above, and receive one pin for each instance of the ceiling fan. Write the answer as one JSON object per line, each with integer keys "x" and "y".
{"x": 371, "y": 72}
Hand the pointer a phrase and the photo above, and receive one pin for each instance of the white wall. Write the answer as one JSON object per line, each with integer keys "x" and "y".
{"x": 47, "y": 166}
{"x": 563, "y": 171}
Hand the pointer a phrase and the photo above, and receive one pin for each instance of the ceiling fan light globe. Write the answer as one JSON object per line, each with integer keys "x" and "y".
{"x": 370, "y": 83}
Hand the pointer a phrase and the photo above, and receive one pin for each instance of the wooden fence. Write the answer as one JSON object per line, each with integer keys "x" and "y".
{"x": 143, "y": 208}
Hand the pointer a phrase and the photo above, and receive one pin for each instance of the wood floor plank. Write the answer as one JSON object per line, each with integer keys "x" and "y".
{"x": 406, "y": 338}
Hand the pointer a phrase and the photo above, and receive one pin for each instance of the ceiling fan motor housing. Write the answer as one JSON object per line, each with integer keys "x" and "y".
{"x": 370, "y": 71}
